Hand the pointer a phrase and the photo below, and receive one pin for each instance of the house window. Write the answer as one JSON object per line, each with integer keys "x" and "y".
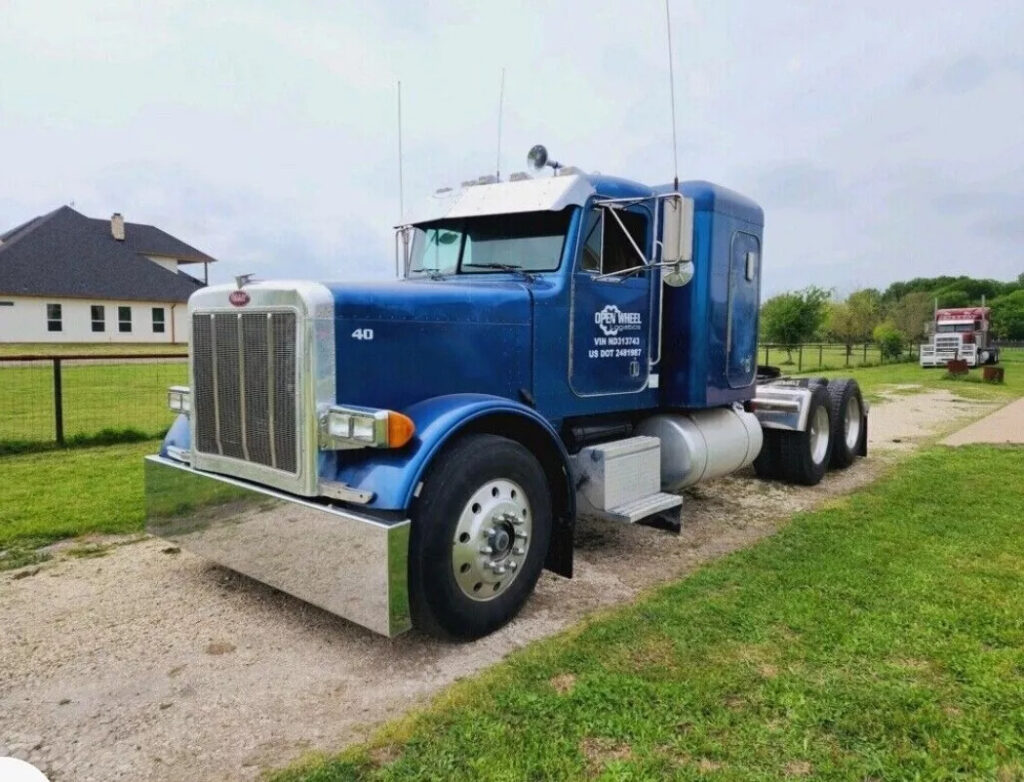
{"x": 99, "y": 317}
{"x": 158, "y": 320}
{"x": 124, "y": 319}
{"x": 6, "y": 303}
{"x": 53, "y": 317}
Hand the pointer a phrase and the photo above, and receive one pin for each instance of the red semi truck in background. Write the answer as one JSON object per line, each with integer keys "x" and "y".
{"x": 961, "y": 333}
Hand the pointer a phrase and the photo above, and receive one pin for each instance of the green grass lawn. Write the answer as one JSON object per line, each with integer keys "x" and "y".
{"x": 877, "y": 378}
{"x": 881, "y": 637}
{"x": 819, "y": 356}
{"x": 84, "y": 348}
{"x": 49, "y": 496}
{"x": 97, "y": 397}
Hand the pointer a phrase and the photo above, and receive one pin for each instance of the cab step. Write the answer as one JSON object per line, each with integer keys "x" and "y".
{"x": 645, "y": 507}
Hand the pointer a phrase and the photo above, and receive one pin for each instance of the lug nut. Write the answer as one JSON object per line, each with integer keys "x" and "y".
{"x": 521, "y": 536}
{"x": 486, "y": 550}
{"x": 512, "y": 565}
{"x": 519, "y": 550}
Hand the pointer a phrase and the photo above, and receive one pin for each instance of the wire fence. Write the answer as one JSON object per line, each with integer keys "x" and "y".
{"x": 82, "y": 399}
{"x": 79, "y": 399}
{"x": 829, "y": 355}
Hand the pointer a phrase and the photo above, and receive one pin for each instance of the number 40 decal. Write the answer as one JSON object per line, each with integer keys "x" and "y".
{"x": 362, "y": 334}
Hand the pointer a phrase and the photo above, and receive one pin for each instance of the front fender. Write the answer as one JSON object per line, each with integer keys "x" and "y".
{"x": 178, "y": 436}
{"x": 392, "y": 476}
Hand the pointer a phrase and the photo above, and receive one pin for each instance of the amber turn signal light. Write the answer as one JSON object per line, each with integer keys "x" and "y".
{"x": 400, "y": 429}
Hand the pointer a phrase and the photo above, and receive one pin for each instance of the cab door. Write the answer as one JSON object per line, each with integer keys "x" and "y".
{"x": 610, "y": 310}
{"x": 744, "y": 300}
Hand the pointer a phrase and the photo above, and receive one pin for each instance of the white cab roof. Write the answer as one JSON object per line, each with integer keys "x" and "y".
{"x": 550, "y": 194}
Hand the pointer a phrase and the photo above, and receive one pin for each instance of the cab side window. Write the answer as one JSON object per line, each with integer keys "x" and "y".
{"x": 592, "y": 239}
{"x": 606, "y": 247}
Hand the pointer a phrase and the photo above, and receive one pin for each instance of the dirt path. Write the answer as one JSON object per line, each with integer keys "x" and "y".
{"x": 150, "y": 665}
{"x": 1005, "y": 425}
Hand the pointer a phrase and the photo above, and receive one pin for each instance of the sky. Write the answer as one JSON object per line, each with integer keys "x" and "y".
{"x": 884, "y": 140}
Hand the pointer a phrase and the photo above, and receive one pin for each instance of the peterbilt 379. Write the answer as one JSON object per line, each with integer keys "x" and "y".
{"x": 415, "y": 452}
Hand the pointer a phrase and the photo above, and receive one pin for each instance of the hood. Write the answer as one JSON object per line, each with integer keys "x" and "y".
{"x": 429, "y": 301}
{"x": 401, "y": 342}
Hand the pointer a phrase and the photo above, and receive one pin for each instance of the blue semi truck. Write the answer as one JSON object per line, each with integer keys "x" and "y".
{"x": 415, "y": 452}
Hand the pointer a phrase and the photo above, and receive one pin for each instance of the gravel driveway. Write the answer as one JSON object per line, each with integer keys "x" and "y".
{"x": 152, "y": 664}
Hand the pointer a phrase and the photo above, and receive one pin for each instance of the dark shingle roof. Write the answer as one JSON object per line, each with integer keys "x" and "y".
{"x": 65, "y": 253}
{"x": 150, "y": 240}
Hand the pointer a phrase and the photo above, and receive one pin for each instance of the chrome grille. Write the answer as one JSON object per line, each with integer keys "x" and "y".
{"x": 243, "y": 367}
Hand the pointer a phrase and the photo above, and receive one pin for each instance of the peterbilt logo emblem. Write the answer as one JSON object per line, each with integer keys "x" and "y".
{"x": 238, "y": 298}
{"x": 611, "y": 320}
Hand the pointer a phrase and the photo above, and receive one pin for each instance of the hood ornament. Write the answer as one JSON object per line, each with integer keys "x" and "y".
{"x": 242, "y": 280}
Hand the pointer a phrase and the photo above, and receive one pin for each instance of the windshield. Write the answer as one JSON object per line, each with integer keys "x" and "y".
{"x": 530, "y": 241}
{"x": 955, "y": 328}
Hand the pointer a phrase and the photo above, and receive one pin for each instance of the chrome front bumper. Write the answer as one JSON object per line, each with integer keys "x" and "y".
{"x": 351, "y": 565}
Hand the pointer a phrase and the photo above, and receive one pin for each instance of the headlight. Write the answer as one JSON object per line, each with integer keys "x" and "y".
{"x": 179, "y": 399}
{"x": 345, "y": 427}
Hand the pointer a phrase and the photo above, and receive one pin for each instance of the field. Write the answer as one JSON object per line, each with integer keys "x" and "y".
{"x": 824, "y": 356}
{"x": 878, "y": 638}
{"x": 876, "y": 378}
{"x": 45, "y": 497}
{"x": 97, "y": 396}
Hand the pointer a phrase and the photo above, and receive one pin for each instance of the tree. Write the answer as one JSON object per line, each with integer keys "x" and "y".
{"x": 1008, "y": 316}
{"x": 953, "y": 299}
{"x": 912, "y": 314}
{"x": 889, "y": 339}
{"x": 791, "y": 318}
{"x": 852, "y": 320}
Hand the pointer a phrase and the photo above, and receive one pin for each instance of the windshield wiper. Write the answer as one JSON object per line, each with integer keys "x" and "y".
{"x": 433, "y": 274}
{"x": 507, "y": 267}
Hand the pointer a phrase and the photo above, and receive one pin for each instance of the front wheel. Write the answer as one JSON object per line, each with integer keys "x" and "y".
{"x": 480, "y": 534}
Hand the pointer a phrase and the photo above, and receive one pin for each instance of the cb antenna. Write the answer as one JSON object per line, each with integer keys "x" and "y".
{"x": 672, "y": 94}
{"x": 401, "y": 186}
{"x": 501, "y": 106}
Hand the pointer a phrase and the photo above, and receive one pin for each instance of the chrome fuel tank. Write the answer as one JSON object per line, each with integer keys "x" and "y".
{"x": 703, "y": 445}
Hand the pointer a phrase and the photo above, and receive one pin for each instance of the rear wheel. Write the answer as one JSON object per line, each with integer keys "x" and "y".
{"x": 847, "y": 408}
{"x": 480, "y": 533}
{"x": 804, "y": 456}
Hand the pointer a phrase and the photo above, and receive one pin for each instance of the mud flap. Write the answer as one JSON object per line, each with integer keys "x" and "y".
{"x": 560, "y": 549}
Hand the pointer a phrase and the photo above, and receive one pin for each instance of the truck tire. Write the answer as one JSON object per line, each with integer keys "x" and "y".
{"x": 804, "y": 456}
{"x": 847, "y": 408}
{"x": 480, "y": 532}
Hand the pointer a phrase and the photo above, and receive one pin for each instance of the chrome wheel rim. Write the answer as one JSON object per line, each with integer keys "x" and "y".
{"x": 819, "y": 435}
{"x": 492, "y": 539}
{"x": 851, "y": 423}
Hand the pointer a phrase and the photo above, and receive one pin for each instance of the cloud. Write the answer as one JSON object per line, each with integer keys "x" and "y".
{"x": 963, "y": 74}
{"x": 266, "y": 134}
{"x": 798, "y": 184}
